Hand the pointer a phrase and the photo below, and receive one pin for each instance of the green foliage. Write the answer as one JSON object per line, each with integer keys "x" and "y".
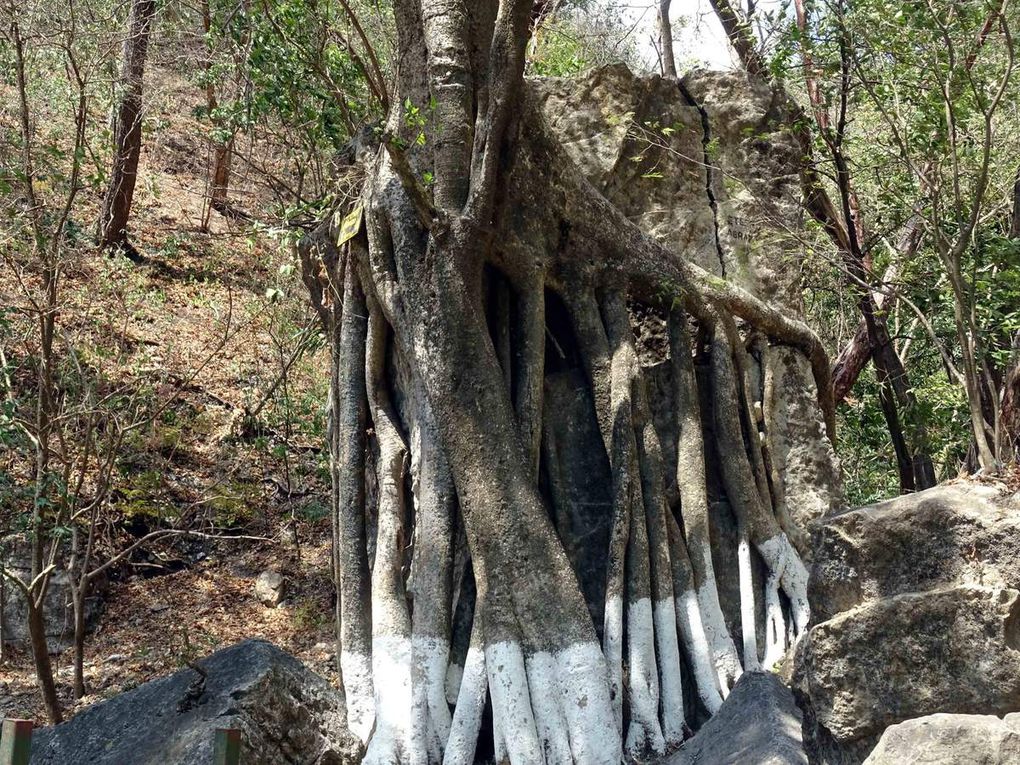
{"x": 923, "y": 82}
{"x": 290, "y": 65}
{"x": 578, "y": 38}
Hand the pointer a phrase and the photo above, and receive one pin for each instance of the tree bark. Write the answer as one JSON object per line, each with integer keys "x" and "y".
{"x": 666, "y": 40}
{"x": 127, "y": 141}
{"x": 41, "y": 659}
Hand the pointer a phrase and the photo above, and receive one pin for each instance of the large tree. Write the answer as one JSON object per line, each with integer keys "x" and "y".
{"x": 467, "y": 579}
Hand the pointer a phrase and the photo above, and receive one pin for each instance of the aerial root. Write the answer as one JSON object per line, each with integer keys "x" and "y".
{"x": 661, "y": 588}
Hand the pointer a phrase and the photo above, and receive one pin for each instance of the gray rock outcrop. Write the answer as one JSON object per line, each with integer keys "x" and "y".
{"x": 758, "y": 723}
{"x": 58, "y": 614}
{"x": 945, "y": 739}
{"x": 919, "y": 613}
{"x": 287, "y": 716}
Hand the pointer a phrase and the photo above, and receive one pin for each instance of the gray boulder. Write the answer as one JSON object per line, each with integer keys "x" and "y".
{"x": 952, "y": 650}
{"x": 58, "y": 615}
{"x": 963, "y": 533}
{"x": 270, "y": 588}
{"x": 945, "y": 739}
{"x": 918, "y": 613}
{"x": 758, "y": 723}
{"x": 287, "y": 716}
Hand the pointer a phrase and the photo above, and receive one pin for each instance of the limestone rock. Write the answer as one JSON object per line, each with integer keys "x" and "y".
{"x": 758, "y": 723}
{"x": 270, "y": 588}
{"x": 909, "y": 655}
{"x": 954, "y": 534}
{"x": 917, "y": 604}
{"x": 287, "y": 716}
{"x": 945, "y": 739}
{"x": 57, "y": 610}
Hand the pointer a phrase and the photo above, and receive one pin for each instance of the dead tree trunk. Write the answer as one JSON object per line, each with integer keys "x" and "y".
{"x": 459, "y": 300}
{"x": 127, "y": 137}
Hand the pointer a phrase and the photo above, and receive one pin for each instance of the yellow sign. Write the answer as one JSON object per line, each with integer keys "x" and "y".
{"x": 351, "y": 225}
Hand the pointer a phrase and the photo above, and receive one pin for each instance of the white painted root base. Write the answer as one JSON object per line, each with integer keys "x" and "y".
{"x": 644, "y": 734}
{"x": 557, "y": 708}
{"x": 612, "y": 648}
{"x": 511, "y": 702}
{"x": 454, "y": 674}
{"x": 671, "y": 692}
{"x": 551, "y": 708}
{"x": 391, "y": 668}
{"x": 430, "y": 714}
{"x": 586, "y": 705}
{"x": 747, "y": 622}
{"x": 775, "y": 625}
{"x": 356, "y": 669}
{"x": 543, "y": 682}
{"x": 467, "y": 715}
{"x": 692, "y": 630}
{"x": 720, "y": 643}
{"x": 784, "y": 562}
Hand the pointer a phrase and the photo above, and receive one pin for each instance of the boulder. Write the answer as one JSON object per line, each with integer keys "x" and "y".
{"x": 57, "y": 610}
{"x": 953, "y": 650}
{"x": 945, "y": 739}
{"x": 286, "y": 714}
{"x": 963, "y": 533}
{"x": 917, "y": 604}
{"x": 270, "y": 588}
{"x": 758, "y": 723}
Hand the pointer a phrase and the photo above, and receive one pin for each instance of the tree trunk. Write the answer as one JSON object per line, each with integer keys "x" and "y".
{"x": 441, "y": 359}
{"x": 666, "y": 40}
{"x": 78, "y": 606}
{"x": 222, "y": 151}
{"x": 127, "y": 139}
{"x": 41, "y": 659}
{"x": 1010, "y": 417}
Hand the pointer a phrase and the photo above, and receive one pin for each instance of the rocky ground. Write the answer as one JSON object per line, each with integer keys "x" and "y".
{"x": 152, "y": 626}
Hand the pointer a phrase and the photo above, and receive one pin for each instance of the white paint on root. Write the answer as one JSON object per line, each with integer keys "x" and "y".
{"x": 467, "y": 715}
{"x": 454, "y": 674}
{"x": 644, "y": 734}
{"x": 430, "y": 714}
{"x": 391, "y": 669}
{"x": 747, "y": 623}
{"x": 692, "y": 631}
{"x": 775, "y": 624}
{"x": 356, "y": 669}
{"x": 725, "y": 659}
{"x": 512, "y": 713}
{"x": 783, "y": 560}
{"x": 544, "y": 687}
{"x": 587, "y": 707}
{"x": 671, "y": 693}
{"x": 612, "y": 647}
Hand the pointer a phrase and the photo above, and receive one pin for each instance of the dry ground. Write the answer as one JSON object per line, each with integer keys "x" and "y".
{"x": 162, "y": 324}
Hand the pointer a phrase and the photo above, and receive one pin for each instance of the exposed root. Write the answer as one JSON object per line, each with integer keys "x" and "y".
{"x": 644, "y": 733}
{"x": 691, "y": 480}
{"x": 760, "y": 525}
{"x": 775, "y": 624}
{"x": 391, "y": 624}
{"x": 529, "y": 367}
{"x": 348, "y": 458}
{"x": 748, "y": 628}
{"x": 467, "y": 715}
